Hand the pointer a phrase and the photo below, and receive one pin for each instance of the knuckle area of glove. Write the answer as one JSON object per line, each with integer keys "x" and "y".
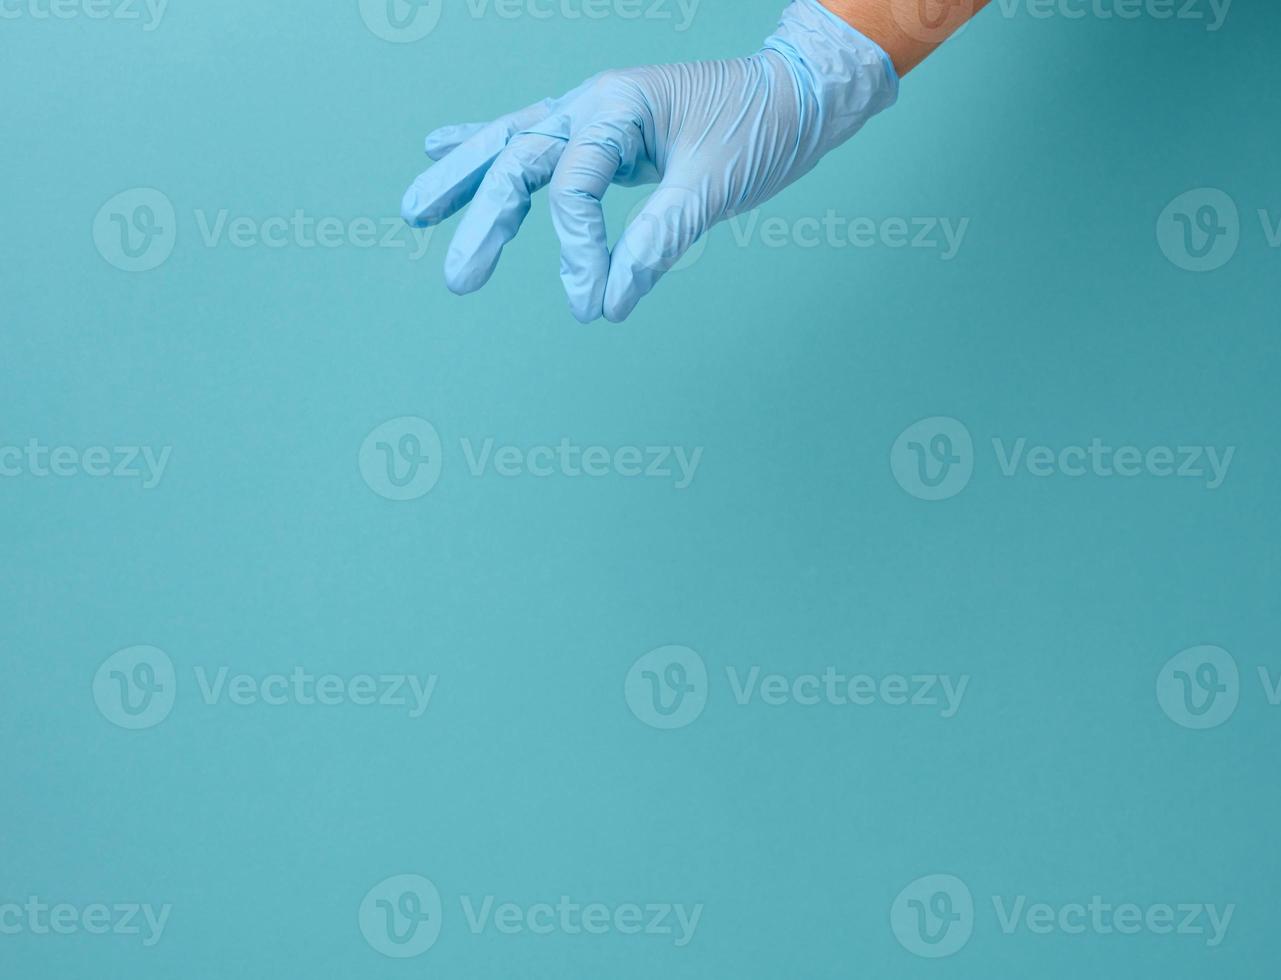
{"x": 588, "y": 175}
{"x": 616, "y": 81}
{"x": 571, "y": 187}
{"x": 619, "y": 91}
{"x": 620, "y": 135}
{"x": 506, "y": 186}
{"x": 528, "y": 151}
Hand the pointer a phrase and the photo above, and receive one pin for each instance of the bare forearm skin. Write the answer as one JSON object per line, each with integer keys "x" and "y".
{"x": 907, "y": 30}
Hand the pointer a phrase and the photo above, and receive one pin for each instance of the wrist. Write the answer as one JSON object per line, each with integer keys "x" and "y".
{"x": 906, "y": 30}
{"x": 851, "y": 76}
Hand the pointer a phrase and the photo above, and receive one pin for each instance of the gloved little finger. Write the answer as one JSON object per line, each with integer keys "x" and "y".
{"x": 441, "y": 142}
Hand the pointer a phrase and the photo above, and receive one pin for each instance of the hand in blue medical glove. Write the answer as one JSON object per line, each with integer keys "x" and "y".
{"x": 719, "y": 137}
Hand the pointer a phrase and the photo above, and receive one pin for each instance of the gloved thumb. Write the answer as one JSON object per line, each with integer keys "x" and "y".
{"x": 676, "y": 216}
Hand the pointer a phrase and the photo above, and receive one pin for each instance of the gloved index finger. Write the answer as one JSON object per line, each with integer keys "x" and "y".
{"x": 590, "y": 163}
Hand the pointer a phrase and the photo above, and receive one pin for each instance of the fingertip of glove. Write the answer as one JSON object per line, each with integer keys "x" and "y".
{"x": 620, "y": 293}
{"x": 409, "y": 209}
{"x": 619, "y": 310}
{"x": 464, "y": 281}
{"x": 584, "y": 293}
{"x": 584, "y": 316}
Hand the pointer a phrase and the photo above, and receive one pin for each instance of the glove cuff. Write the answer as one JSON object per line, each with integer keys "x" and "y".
{"x": 853, "y": 78}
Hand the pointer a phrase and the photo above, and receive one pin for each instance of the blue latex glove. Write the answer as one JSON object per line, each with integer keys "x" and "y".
{"x": 720, "y": 138}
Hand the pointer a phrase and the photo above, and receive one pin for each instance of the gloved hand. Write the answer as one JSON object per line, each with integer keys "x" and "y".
{"x": 720, "y": 137}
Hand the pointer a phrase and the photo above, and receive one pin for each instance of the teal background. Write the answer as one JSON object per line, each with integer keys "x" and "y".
{"x": 796, "y": 369}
